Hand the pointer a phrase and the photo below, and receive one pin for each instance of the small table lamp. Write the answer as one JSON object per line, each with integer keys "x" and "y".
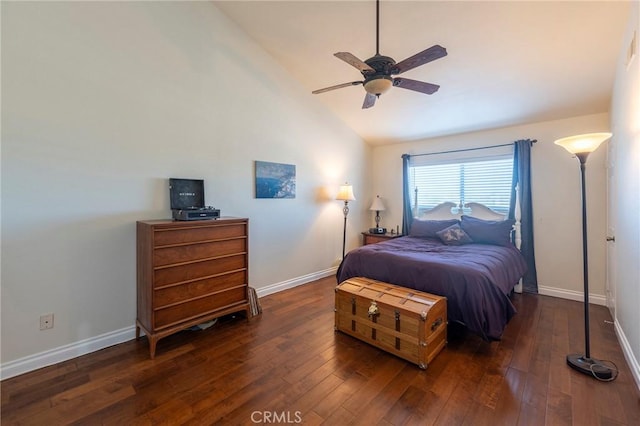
{"x": 377, "y": 206}
{"x": 345, "y": 193}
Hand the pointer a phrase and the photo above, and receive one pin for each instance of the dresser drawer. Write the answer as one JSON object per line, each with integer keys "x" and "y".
{"x": 191, "y": 290}
{"x": 165, "y": 317}
{"x": 194, "y": 270}
{"x": 171, "y": 236}
{"x": 196, "y": 251}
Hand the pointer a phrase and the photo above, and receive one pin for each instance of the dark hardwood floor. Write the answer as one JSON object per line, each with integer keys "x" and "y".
{"x": 289, "y": 366}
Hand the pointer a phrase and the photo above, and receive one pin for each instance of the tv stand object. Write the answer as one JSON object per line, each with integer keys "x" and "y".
{"x": 188, "y": 273}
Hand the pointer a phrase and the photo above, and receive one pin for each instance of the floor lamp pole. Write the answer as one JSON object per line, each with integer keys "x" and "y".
{"x": 585, "y": 263}
{"x": 345, "y": 211}
{"x": 345, "y": 193}
{"x": 583, "y": 362}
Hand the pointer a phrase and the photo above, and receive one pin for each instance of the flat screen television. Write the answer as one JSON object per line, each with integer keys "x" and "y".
{"x": 186, "y": 194}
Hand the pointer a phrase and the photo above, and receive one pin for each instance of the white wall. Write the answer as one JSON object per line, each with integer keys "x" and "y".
{"x": 555, "y": 191}
{"x": 625, "y": 119}
{"x": 101, "y": 104}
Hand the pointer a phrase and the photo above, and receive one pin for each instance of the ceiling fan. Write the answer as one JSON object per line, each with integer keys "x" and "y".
{"x": 378, "y": 70}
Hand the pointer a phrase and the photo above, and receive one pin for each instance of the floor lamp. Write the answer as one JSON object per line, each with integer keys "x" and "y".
{"x": 581, "y": 146}
{"x": 345, "y": 194}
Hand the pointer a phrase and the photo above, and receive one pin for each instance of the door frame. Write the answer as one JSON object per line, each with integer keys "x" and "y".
{"x": 610, "y": 264}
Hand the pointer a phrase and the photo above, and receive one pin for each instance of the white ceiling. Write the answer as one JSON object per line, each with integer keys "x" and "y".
{"x": 508, "y": 63}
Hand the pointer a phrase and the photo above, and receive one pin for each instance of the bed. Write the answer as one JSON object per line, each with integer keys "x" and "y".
{"x": 476, "y": 270}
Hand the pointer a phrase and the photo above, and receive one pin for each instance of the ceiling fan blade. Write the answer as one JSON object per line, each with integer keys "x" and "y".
{"x": 427, "y": 55}
{"x": 337, "y": 86}
{"x": 369, "y": 101}
{"x": 415, "y": 85}
{"x": 353, "y": 61}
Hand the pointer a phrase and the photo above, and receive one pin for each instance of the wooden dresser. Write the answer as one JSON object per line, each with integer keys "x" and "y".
{"x": 189, "y": 273}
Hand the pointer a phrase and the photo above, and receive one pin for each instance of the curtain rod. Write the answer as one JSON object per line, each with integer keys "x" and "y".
{"x": 466, "y": 149}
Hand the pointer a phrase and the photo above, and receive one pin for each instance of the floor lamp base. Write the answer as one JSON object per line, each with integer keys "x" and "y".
{"x": 590, "y": 366}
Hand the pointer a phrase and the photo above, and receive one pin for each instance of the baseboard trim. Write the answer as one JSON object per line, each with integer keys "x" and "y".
{"x": 83, "y": 347}
{"x": 66, "y": 352}
{"x": 632, "y": 360}
{"x": 596, "y": 299}
{"x": 294, "y": 282}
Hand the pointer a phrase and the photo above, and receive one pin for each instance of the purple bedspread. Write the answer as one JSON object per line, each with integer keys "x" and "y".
{"x": 475, "y": 278}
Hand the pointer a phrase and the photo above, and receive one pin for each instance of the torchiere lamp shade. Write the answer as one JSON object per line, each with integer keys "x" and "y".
{"x": 583, "y": 144}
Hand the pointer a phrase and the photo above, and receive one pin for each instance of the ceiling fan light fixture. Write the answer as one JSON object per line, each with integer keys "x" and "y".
{"x": 378, "y": 85}
{"x": 378, "y": 69}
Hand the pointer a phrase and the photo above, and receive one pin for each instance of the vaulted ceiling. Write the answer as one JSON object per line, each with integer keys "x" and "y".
{"x": 508, "y": 63}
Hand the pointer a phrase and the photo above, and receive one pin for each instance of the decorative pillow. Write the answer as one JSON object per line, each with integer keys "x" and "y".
{"x": 496, "y": 232}
{"x": 428, "y": 228}
{"x": 454, "y": 236}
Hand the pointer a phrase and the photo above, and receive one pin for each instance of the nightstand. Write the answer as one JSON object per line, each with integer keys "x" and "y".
{"x": 369, "y": 238}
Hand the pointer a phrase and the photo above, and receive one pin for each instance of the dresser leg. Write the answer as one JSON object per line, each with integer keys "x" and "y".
{"x": 137, "y": 332}
{"x": 152, "y": 346}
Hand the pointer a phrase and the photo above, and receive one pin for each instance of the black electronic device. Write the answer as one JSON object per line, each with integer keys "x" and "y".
{"x": 377, "y": 230}
{"x": 186, "y": 194}
{"x": 196, "y": 214}
{"x": 187, "y": 200}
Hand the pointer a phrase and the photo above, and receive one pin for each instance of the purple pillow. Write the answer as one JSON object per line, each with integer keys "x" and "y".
{"x": 496, "y": 232}
{"x": 454, "y": 236}
{"x": 429, "y": 228}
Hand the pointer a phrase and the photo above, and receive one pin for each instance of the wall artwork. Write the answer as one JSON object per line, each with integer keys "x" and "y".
{"x": 275, "y": 180}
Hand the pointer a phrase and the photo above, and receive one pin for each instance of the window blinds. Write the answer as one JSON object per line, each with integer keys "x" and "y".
{"x": 485, "y": 180}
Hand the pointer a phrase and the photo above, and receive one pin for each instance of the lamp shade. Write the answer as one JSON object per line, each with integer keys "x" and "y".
{"x": 377, "y": 204}
{"x": 345, "y": 193}
{"x": 583, "y": 144}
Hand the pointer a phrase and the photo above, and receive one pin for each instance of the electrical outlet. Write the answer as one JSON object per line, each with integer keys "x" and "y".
{"x": 46, "y": 322}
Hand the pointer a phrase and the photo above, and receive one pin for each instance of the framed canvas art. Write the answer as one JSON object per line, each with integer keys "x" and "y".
{"x": 275, "y": 180}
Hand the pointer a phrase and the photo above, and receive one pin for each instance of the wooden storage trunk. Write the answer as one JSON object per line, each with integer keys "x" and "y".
{"x": 407, "y": 323}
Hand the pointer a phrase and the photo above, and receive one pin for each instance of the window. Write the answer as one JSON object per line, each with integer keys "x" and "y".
{"x": 485, "y": 180}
